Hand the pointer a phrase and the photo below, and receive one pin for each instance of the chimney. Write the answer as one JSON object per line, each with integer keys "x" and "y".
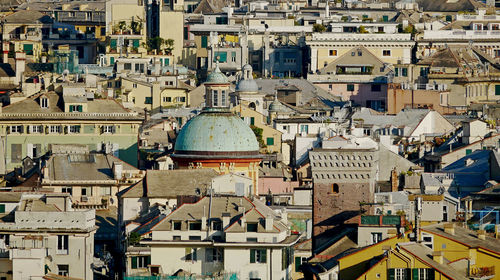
{"x": 481, "y": 234}
{"x": 5, "y": 49}
{"x": 437, "y": 256}
{"x": 449, "y": 228}
{"x": 157, "y": 66}
{"x": 226, "y": 218}
{"x": 117, "y": 171}
{"x": 20, "y": 66}
{"x": 392, "y": 233}
{"x": 269, "y": 223}
{"x": 394, "y": 180}
{"x": 203, "y": 223}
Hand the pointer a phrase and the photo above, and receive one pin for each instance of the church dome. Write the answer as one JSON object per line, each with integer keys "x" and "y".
{"x": 216, "y": 133}
{"x": 217, "y": 77}
{"x": 247, "y": 83}
{"x": 247, "y": 86}
{"x": 276, "y": 106}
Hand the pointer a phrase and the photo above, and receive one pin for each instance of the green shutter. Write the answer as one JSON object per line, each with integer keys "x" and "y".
{"x": 385, "y": 18}
{"x": 166, "y": 61}
{"x": 468, "y": 151}
{"x": 270, "y": 141}
{"x": 390, "y": 274}
{"x": 414, "y": 274}
{"x": 80, "y": 108}
{"x": 134, "y": 262}
{"x": 195, "y": 254}
{"x": 297, "y": 264}
{"x": 113, "y": 43}
{"x": 135, "y": 43}
{"x": 396, "y": 72}
{"x": 2, "y": 208}
{"x": 28, "y": 49}
{"x": 204, "y": 41}
{"x": 264, "y": 255}
{"x": 221, "y": 56}
{"x": 252, "y": 121}
{"x": 497, "y": 89}
{"x": 350, "y": 87}
{"x": 405, "y": 72}
{"x": 252, "y": 255}
{"x": 112, "y": 60}
{"x": 407, "y": 275}
{"x": 148, "y": 260}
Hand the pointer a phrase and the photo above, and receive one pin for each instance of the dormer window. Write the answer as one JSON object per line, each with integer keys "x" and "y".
{"x": 44, "y": 102}
{"x": 215, "y": 98}
{"x": 252, "y": 227}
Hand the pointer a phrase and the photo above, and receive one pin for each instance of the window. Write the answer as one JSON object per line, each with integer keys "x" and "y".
{"x": 360, "y": 53}
{"x": 304, "y": 128}
{"x": 74, "y": 129}
{"x": 386, "y": 53}
{"x": 127, "y": 66}
{"x": 75, "y": 108}
{"x": 497, "y": 89}
{"x": 16, "y": 129}
{"x": 468, "y": 151}
{"x": 252, "y": 239}
{"x": 270, "y": 141}
{"x": 215, "y": 98}
{"x": 191, "y": 254}
{"x": 108, "y": 128}
{"x": 376, "y": 237}
{"x": 86, "y": 191}
{"x": 63, "y": 269}
{"x": 140, "y": 261}
{"x": 177, "y": 225}
{"x": 195, "y": 238}
{"x": 333, "y": 52}
{"x": 44, "y": 102}
{"x": 258, "y": 256}
{"x": 398, "y": 274}
{"x": 217, "y": 225}
{"x": 28, "y": 49}
{"x": 353, "y": 53}
{"x": 134, "y": 85}
{"x": 55, "y": 129}
{"x": 110, "y": 84}
{"x": 423, "y": 273}
{"x": 67, "y": 190}
{"x": 36, "y": 129}
{"x": 335, "y": 188}
{"x": 223, "y": 97}
{"x": 2, "y": 208}
{"x": 204, "y": 41}
{"x": 194, "y": 226}
{"x": 252, "y": 121}
{"x": 62, "y": 244}
{"x": 497, "y": 53}
{"x": 404, "y": 72}
{"x": 167, "y": 99}
{"x": 214, "y": 254}
{"x": 376, "y": 87}
{"x": 139, "y": 68}
{"x": 233, "y": 56}
{"x": 252, "y": 227}
{"x": 105, "y": 190}
{"x": 149, "y": 100}
{"x": 298, "y": 262}
{"x": 350, "y": 87}
{"x": 176, "y": 238}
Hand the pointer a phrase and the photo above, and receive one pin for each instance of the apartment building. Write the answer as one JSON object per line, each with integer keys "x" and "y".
{"x": 30, "y": 126}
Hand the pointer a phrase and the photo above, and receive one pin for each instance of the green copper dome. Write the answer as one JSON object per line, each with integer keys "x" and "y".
{"x": 217, "y": 77}
{"x": 214, "y": 133}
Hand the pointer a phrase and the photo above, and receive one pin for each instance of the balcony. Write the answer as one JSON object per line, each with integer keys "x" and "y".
{"x": 22, "y": 253}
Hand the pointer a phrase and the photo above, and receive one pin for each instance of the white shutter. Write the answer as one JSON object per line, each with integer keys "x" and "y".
{"x": 29, "y": 148}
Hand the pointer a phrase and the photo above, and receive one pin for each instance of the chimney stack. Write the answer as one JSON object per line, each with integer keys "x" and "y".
{"x": 20, "y": 66}
{"x": 394, "y": 180}
{"x": 269, "y": 223}
{"x": 5, "y": 49}
{"x": 449, "y": 228}
{"x": 226, "y": 218}
{"x": 481, "y": 234}
{"x": 117, "y": 171}
{"x": 437, "y": 256}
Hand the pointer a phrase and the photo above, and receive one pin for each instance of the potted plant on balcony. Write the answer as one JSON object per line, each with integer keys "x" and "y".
{"x": 122, "y": 26}
{"x": 136, "y": 26}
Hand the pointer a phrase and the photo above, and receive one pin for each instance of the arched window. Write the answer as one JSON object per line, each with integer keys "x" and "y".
{"x": 335, "y": 188}
{"x": 252, "y": 106}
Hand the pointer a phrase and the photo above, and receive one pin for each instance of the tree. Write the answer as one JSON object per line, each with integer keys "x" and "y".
{"x": 169, "y": 45}
{"x": 160, "y": 45}
{"x": 319, "y": 28}
{"x": 136, "y": 26}
{"x": 134, "y": 238}
{"x": 258, "y": 134}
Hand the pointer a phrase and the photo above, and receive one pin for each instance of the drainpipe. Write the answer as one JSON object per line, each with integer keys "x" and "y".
{"x": 271, "y": 264}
